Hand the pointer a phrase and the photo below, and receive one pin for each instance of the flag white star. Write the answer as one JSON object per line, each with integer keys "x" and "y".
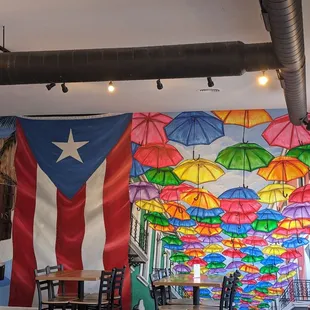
{"x": 70, "y": 148}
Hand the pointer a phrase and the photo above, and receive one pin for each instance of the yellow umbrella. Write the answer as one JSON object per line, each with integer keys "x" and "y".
{"x": 274, "y": 250}
{"x": 234, "y": 243}
{"x": 200, "y": 198}
{"x": 187, "y": 230}
{"x": 283, "y": 168}
{"x": 213, "y": 248}
{"x": 275, "y": 193}
{"x": 245, "y": 118}
{"x": 287, "y": 276}
{"x": 150, "y": 205}
{"x": 275, "y": 291}
{"x": 176, "y": 210}
{"x": 169, "y": 228}
{"x": 294, "y": 223}
{"x": 198, "y": 171}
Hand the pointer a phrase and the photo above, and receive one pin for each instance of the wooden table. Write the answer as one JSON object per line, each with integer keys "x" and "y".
{"x": 189, "y": 280}
{"x": 73, "y": 275}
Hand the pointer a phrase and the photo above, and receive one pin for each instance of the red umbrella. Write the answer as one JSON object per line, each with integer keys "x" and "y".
{"x": 281, "y": 132}
{"x": 301, "y": 194}
{"x": 239, "y": 218}
{"x": 240, "y": 205}
{"x": 196, "y": 260}
{"x": 158, "y": 155}
{"x": 189, "y": 239}
{"x": 149, "y": 128}
{"x": 267, "y": 277}
{"x": 290, "y": 254}
{"x": 233, "y": 253}
{"x": 172, "y": 193}
{"x": 255, "y": 241}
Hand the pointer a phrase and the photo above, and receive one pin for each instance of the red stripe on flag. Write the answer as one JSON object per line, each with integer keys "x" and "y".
{"x": 116, "y": 209}
{"x": 24, "y": 261}
{"x": 70, "y": 233}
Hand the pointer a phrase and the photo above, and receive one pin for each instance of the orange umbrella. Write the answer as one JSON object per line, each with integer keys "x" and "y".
{"x": 195, "y": 252}
{"x": 201, "y": 198}
{"x": 283, "y": 168}
{"x": 208, "y": 229}
{"x": 169, "y": 228}
{"x": 249, "y": 268}
{"x": 234, "y": 243}
{"x": 176, "y": 210}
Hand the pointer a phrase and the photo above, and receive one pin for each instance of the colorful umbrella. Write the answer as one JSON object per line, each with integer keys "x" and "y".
{"x": 252, "y": 258}
{"x": 249, "y": 268}
{"x": 234, "y": 235}
{"x": 272, "y": 260}
{"x": 265, "y": 225}
{"x": 290, "y": 254}
{"x": 234, "y": 265}
{"x": 210, "y": 239}
{"x": 267, "y": 277}
{"x": 281, "y": 132}
{"x": 214, "y": 257}
{"x": 180, "y": 268}
{"x": 172, "y": 239}
{"x": 179, "y": 257}
{"x": 198, "y": 171}
{"x": 288, "y": 268}
{"x": 297, "y": 210}
{"x": 194, "y": 252}
{"x": 285, "y": 277}
{"x": 236, "y": 228}
{"x": 136, "y": 168}
{"x": 194, "y": 128}
{"x": 173, "y": 247}
{"x": 268, "y": 214}
{"x": 208, "y": 220}
{"x": 186, "y": 230}
{"x": 267, "y": 269}
{"x": 216, "y": 265}
{"x": 233, "y": 253}
{"x": 193, "y": 245}
{"x": 283, "y": 168}
{"x": 142, "y": 191}
{"x": 294, "y": 223}
{"x": 163, "y": 176}
{"x": 176, "y": 210}
{"x": 251, "y": 276}
{"x": 275, "y": 250}
{"x": 181, "y": 223}
{"x": 251, "y": 250}
{"x": 301, "y": 194}
{"x": 158, "y": 155}
{"x": 189, "y": 239}
{"x": 172, "y": 193}
{"x": 234, "y": 243}
{"x": 213, "y": 248}
{"x": 196, "y": 212}
{"x": 281, "y": 284}
{"x": 249, "y": 288}
{"x": 150, "y": 205}
{"x": 208, "y": 229}
{"x": 238, "y": 218}
{"x": 294, "y": 243}
{"x": 301, "y": 152}
{"x": 276, "y": 192}
{"x": 149, "y": 128}
{"x": 156, "y": 219}
{"x": 200, "y": 198}
{"x": 239, "y": 193}
{"x": 161, "y": 228}
{"x": 240, "y": 205}
{"x": 196, "y": 260}
{"x": 255, "y": 241}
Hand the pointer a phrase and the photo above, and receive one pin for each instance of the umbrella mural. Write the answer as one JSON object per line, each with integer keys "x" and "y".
{"x": 225, "y": 227}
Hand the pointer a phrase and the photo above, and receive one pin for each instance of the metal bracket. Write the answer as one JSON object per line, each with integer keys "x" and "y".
{"x": 2, "y": 47}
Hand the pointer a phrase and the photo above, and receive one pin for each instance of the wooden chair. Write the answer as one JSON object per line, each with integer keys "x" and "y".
{"x": 53, "y": 300}
{"x": 158, "y": 293}
{"x": 117, "y": 288}
{"x": 102, "y": 300}
{"x": 163, "y": 273}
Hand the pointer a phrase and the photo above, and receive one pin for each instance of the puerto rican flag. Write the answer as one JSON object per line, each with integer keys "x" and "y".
{"x": 72, "y": 205}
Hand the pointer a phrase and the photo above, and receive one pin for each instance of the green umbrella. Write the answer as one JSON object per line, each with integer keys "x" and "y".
{"x": 262, "y": 290}
{"x": 179, "y": 258}
{"x": 263, "y": 305}
{"x": 156, "y": 218}
{"x": 265, "y": 225}
{"x": 301, "y": 152}
{"x": 269, "y": 269}
{"x": 208, "y": 220}
{"x": 244, "y": 156}
{"x": 163, "y": 176}
{"x": 172, "y": 240}
{"x": 234, "y": 235}
{"x": 215, "y": 265}
{"x": 246, "y": 299}
{"x": 252, "y": 259}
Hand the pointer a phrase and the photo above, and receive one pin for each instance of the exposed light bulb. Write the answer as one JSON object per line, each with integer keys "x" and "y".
{"x": 263, "y": 79}
{"x": 111, "y": 87}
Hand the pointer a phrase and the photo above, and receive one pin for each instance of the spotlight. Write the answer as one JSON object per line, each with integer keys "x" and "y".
{"x": 64, "y": 88}
{"x": 111, "y": 87}
{"x": 263, "y": 79}
{"x": 210, "y": 82}
{"x": 50, "y": 86}
{"x": 159, "y": 84}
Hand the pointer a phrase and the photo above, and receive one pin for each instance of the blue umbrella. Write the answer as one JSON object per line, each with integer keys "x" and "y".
{"x": 214, "y": 257}
{"x": 136, "y": 168}
{"x": 249, "y": 288}
{"x": 181, "y": 223}
{"x": 272, "y": 260}
{"x": 173, "y": 247}
{"x": 251, "y": 250}
{"x": 239, "y": 193}
{"x": 294, "y": 243}
{"x": 193, "y": 128}
{"x": 199, "y": 212}
{"x": 235, "y": 228}
{"x": 264, "y": 284}
{"x": 268, "y": 214}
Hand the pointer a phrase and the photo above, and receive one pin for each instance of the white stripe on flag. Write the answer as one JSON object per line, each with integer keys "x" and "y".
{"x": 45, "y": 223}
{"x": 95, "y": 234}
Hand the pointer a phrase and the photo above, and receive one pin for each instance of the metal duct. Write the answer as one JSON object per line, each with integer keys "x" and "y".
{"x": 136, "y": 63}
{"x": 283, "y": 18}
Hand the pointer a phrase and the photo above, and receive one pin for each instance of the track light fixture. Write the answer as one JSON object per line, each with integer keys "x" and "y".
{"x": 263, "y": 79}
{"x": 210, "y": 82}
{"x": 111, "y": 87}
{"x": 64, "y": 88}
{"x": 159, "y": 84}
{"x": 50, "y": 86}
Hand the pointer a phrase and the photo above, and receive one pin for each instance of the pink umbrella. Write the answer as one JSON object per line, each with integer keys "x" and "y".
{"x": 281, "y": 132}
{"x": 172, "y": 193}
{"x": 300, "y": 194}
{"x": 149, "y": 128}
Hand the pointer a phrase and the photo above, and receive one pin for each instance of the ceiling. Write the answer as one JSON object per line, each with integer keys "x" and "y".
{"x": 78, "y": 24}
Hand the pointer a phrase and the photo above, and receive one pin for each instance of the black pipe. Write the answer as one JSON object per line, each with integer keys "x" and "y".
{"x": 136, "y": 63}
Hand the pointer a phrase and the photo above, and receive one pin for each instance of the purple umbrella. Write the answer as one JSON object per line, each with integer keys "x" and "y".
{"x": 216, "y": 289}
{"x": 288, "y": 268}
{"x": 297, "y": 210}
{"x": 142, "y": 191}
{"x": 234, "y": 265}
{"x": 251, "y": 276}
{"x": 188, "y": 288}
{"x": 181, "y": 268}
{"x": 210, "y": 239}
{"x": 216, "y": 270}
{"x": 244, "y": 295}
{"x": 271, "y": 239}
{"x": 281, "y": 284}
{"x": 193, "y": 245}
{"x": 260, "y": 234}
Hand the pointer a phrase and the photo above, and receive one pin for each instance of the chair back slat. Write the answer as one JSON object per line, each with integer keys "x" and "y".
{"x": 117, "y": 288}
{"x": 60, "y": 284}
{"x": 105, "y": 287}
{"x": 229, "y": 287}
